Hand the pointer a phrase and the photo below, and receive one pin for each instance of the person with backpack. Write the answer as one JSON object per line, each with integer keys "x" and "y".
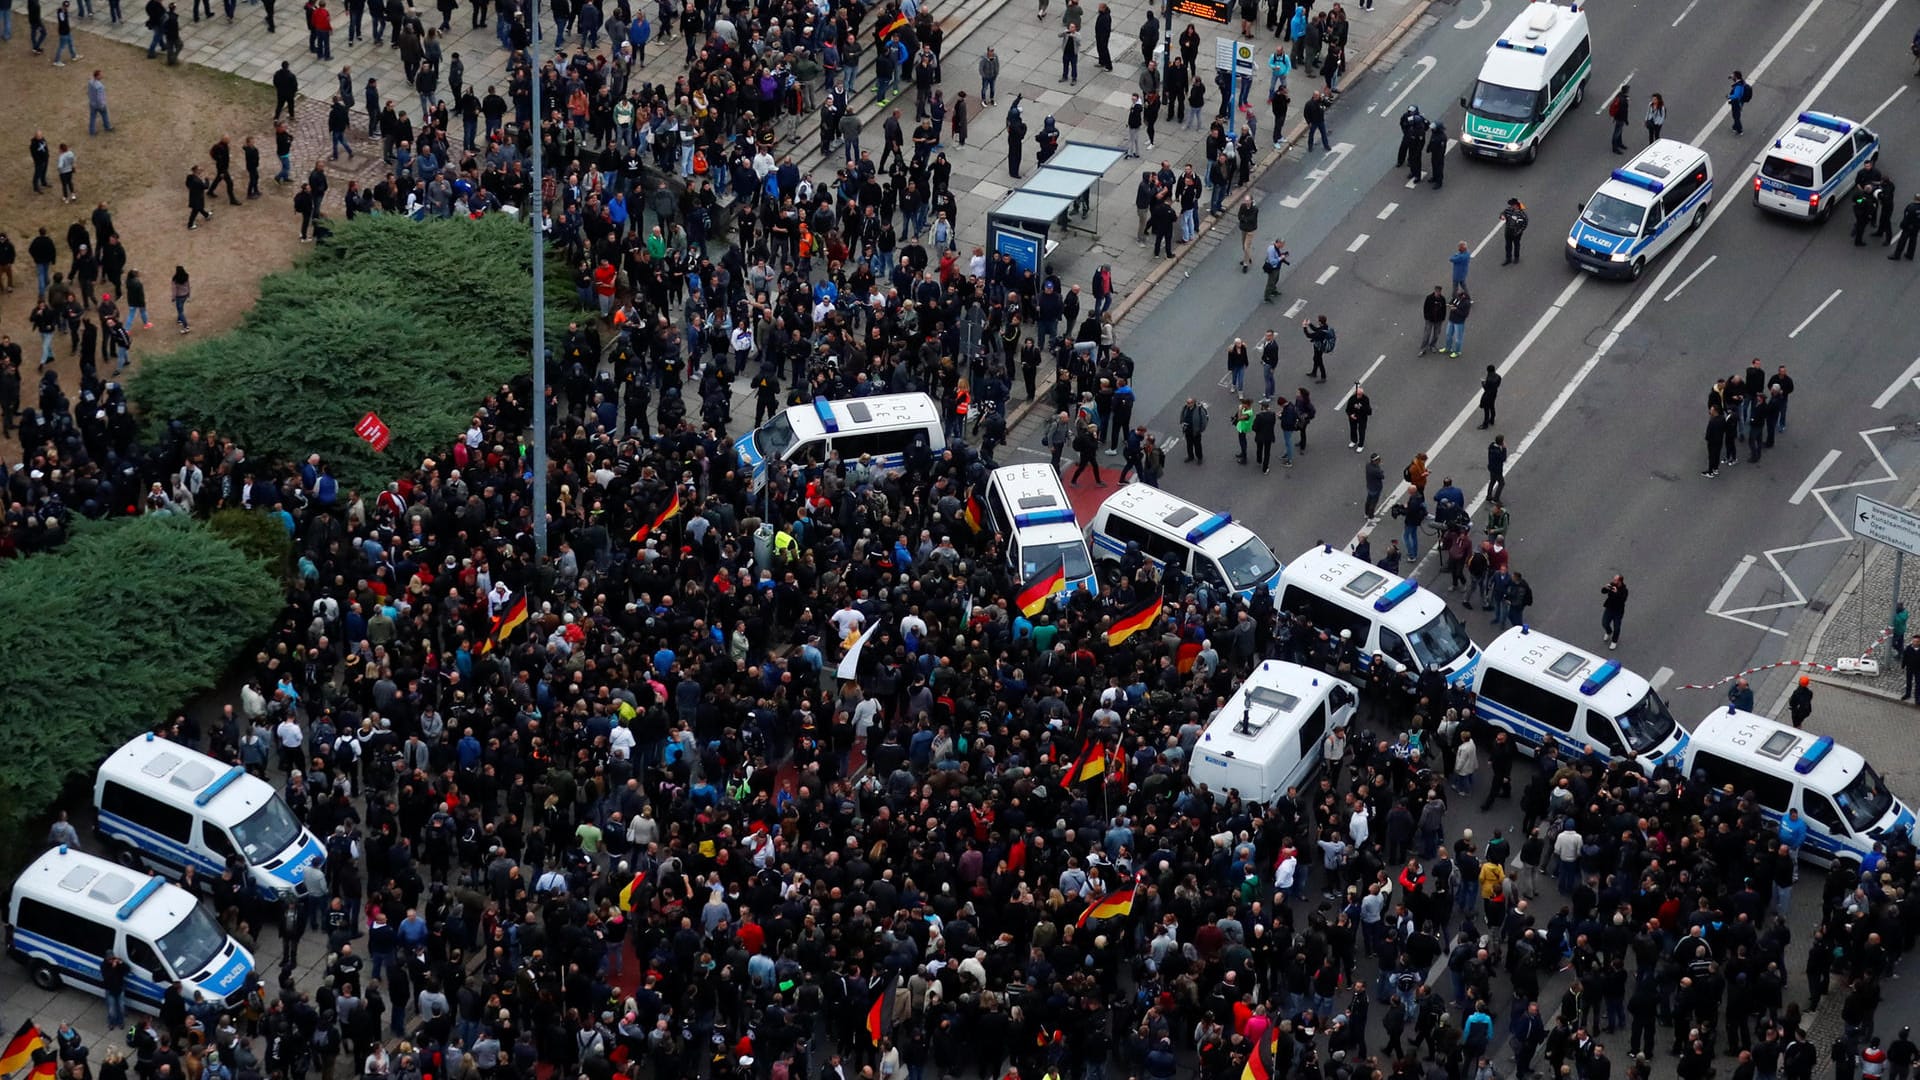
{"x": 1289, "y": 423}
{"x": 1617, "y": 110}
{"x": 1324, "y": 339}
{"x": 1738, "y": 95}
{"x": 1514, "y": 225}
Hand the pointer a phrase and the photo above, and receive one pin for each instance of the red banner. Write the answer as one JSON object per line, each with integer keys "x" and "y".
{"x": 374, "y": 431}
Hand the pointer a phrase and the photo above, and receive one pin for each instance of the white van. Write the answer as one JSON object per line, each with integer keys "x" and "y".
{"x": 1535, "y": 74}
{"x": 1532, "y": 686}
{"x": 175, "y": 807}
{"x": 1271, "y": 733}
{"x": 71, "y": 910}
{"x": 1027, "y": 505}
{"x": 1811, "y": 165}
{"x": 1214, "y": 548}
{"x": 886, "y": 426}
{"x": 1414, "y": 629}
{"x": 1641, "y": 210}
{"x": 1845, "y": 804}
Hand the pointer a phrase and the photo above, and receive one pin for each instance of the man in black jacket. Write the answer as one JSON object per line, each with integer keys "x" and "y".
{"x": 1433, "y": 316}
{"x": 285, "y": 85}
{"x": 196, "y": 198}
{"x": 222, "y": 155}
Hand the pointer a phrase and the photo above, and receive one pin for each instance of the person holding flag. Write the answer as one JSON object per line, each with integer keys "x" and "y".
{"x": 1033, "y": 599}
{"x": 21, "y": 1049}
{"x": 665, "y": 515}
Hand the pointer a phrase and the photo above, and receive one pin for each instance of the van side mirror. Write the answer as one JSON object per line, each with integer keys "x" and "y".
{"x": 1463, "y": 101}
{"x": 1579, "y": 208}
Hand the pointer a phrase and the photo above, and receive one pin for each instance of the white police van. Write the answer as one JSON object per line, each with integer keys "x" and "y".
{"x": 1271, "y": 733}
{"x": 1532, "y": 686}
{"x": 1214, "y": 548}
{"x": 70, "y": 910}
{"x": 174, "y": 807}
{"x": 885, "y": 426}
{"x": 1027, "y": 505}
{"x": 1845, "y": 804}
{"x": 1389, "y": 615}
{"x": 1535, "y": 73}
{"x": 1811, "y": 165}
{"x": 1641, "y": 210}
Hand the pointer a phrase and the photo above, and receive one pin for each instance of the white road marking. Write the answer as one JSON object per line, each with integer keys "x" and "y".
{"x": 1806, "y": 486}
{"x": 1361, "y": 381}
{"x": 1488, "y": 239}
{"x": 1883, "y": 106}
{"x": 1358, "y": 243}
{"x": 1421, "y": 67}
{"x": 1688, "y": 280}
{"x": 1816, "y": 313}
{"x": 1465, "y": 23}
{"x": 1386, "y": 211}
{"x": 1601, "y": 111}
{"x": 1687, "y": 12}
{"x": 1733, "y": 582}
{"x": 1661, "y": 677}
{"x": 1911, "y": 375}
{"x": 1296, "y": 307}
{"x": 1326, "y": 275}
{"x": 1328, "y": 160}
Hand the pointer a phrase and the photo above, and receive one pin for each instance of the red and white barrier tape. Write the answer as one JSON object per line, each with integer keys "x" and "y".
{"x": 1814, "y": 664}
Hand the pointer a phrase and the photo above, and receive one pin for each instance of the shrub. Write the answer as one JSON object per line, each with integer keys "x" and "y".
{"x": 416, "y": 321}
{"x": 104, "y": 638}
{"x": 260, "y": 536}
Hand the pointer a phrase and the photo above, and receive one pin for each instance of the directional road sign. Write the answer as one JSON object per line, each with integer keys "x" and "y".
{"x": 1886, "y": 524}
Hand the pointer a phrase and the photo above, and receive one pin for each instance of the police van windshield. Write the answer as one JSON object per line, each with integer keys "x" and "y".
{"x": 191, "y": 946}
{"x": 1797, "y": 173}
{"x": 1249, "y": 564}
{"x": 1647, "y": 724}
{"x": 774, "y": 438}
{"x": 1441, "y": 641}
{"x": 1496, "y": 102}
{"x": 1866, "y": 800}
{"x": 268, "y": 832}
{"x": 1614, "y": 215}
{"x": 1036, "y": 559}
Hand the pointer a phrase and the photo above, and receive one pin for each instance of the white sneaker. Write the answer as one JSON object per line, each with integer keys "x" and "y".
{"x": 1612, "y": 645}
{"x": 1351, "y": 445}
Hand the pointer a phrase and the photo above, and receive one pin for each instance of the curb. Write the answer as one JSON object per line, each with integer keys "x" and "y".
{"x": 1120, "y": 310}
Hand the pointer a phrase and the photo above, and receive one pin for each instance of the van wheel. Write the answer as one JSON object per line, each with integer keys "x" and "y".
{"x": 1533, "y": 152}
{"x": 1579, "y": 94}
{"x": 1109, "y": 572}
{"x": 1699, "y": 216}
{"x": 45, "y": 977}
{"x": 1639, "y": 267}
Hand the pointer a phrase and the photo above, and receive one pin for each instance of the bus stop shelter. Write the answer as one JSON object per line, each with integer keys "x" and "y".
{"x": 1065, "y": 188}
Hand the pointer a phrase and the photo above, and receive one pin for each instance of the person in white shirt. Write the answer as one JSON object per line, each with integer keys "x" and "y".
{"x": 1357, "y": 826}
{"x": 911, "y": 623}
{"x": 848, "y": 621}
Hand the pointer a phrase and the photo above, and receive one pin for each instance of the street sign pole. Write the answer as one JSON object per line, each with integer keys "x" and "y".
{"x": 1233, "y": 96}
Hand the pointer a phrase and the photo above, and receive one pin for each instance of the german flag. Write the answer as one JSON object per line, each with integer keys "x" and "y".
{"x": 1033, "y": 599}
{"x": 974, "y": 515}
{"x": 1259, "y": 1061}
{"x": 673, "y": 507}
{"x": 1110, "y": 906}
{"x": 505, "y": 624}
{"x": 896, "y": 24}
{"x": 44, "y": 1068}
{"x": 20, "y": 1048}
{"x": 626, "y": 894}
{"x": 1091, "y": 764}
{"x": 1184, "y": 656}
{"x": 1117, "y": 766}
{"x": 1133, "y": 622}
{"x": 877, "y": 1013}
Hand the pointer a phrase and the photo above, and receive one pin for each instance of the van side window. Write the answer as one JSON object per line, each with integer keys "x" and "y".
{"x": 1570, "y": 66}
{"x": 1772, "y": 791}
{"x": 1682, "y": 189}
{"x": 1862, "y": 138}
{"x": 1528, "y": 700}
{"x": 168, "y": 821}
{"x": 1395, "y": 647}
{"x": 1836, "y": 160}
{"x": 1312, "y": 729}
{"x": 215, "y": 839}
{"x": 65, "y": 927}
{"x": 1325, "y": 614}
{"x": 1820, "y": 808}
{"x": 877, "y": 443}
{"x": 1127, "y": 531}
{"x": 1205, "y": 570}
{"x": 1603, "y": 732}
{"x": 1002, "y": 523}
{"x": 142, "y": 958}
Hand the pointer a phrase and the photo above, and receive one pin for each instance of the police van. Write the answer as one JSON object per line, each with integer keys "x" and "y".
{"x": 1641, "y": 210}
{"x": 1414, "y": 629}
{"x": 1811, "y": 165}
{"x": 173, "y": 807}
{"x": 70, "y": 911}
{"x": 1214, "y": 548}
{"x": 1532, "y": 686}
{"x": 885, "y": 426}
{"x": 1271, "y": 733}
{"x": 1845, "y": 804}
{"x": 1027, "y": 505}
{"x": 1535, "y": 73}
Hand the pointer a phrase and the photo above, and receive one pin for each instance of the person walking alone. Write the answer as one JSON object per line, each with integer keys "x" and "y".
{"x": 1249, "y": 224}
{"x": 1086, "y": 443}
{"x": 97, "y": 103}
{"x": 1513, "y": 222}
{"x": 1461, "y": 260}
{"x": 222, "y": 155}
{"x": 1323, "y": 338}
{"x": 1359, "y": 411}
{"x": 1739, "y": 92}
{"x": 1496, "y": 468}
{"x": 1277, "y": 257}
{"x": 181, "y": 292}
{"x": 1613, "y": 609}
{"x": 1489, "y": 397}
{"x": 196, "y": 198}
{"x": 1376, "y": 483}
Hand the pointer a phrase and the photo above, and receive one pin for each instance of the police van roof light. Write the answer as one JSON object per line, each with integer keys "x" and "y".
{"x": 1600, "y": 678}
{"x": 1208, "y": 527}
{"x": 1816, "y": 753}
{"x": 1639, "y": 180}
{"x": 219, "y": 785}
{"x": 824, "y": 410}
{"x": 1822, "y": 120}
{"x": 139, "y": 897}
{"x": 1395, "y": 595}
{"x": 1044, "y": 517}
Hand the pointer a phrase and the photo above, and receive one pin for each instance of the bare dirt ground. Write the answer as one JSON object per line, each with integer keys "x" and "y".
{"x": 164, "y": 120}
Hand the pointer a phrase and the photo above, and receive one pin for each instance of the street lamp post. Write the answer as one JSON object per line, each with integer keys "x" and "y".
{"x": 539, "y": 301}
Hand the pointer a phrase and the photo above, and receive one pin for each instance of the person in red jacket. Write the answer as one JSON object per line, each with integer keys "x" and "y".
{"x": 323, "y": 29}
{"x": 605, "y": 279}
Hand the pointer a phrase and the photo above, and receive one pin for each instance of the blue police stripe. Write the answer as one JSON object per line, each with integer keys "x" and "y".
{"x": 152, "y": 843}
{"x": 83, "y": 965}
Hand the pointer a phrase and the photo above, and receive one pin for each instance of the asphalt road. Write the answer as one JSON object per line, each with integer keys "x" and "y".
{"x": 1605, "y": 386}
